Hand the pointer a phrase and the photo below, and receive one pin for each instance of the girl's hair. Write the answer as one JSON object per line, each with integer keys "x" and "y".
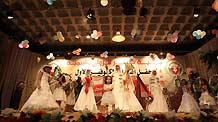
{"x": 105, "y": 79}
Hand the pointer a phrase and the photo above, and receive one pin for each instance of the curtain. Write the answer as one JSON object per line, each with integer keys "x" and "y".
{"x": 17, "y": 65}
{"x": 193, "y": 59}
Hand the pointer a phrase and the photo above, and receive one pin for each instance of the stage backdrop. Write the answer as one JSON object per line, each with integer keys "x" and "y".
{"x": 166, "y": 70}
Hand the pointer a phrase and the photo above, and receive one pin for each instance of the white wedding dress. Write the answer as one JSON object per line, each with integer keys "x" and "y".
{"x": 118, "y": 90}
{"x": 159, "y": 103}
{"x": 41, "y": 99}
{"x": 188, "y": 104}
{"x": 86, "y": 100}
{"x": 131, "y": 103}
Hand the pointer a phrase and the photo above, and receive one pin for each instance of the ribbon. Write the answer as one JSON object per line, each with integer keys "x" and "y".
{"x": 88, "y": 81}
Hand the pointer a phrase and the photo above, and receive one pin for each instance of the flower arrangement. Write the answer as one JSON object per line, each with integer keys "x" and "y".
{"x": 115, "y": 116}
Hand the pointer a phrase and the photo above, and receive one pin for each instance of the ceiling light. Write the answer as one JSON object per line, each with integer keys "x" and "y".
{"x": 196, "y": 12}
{"x": 9, "y": 14}
{"x": 104, "y": 2}
{"x": 118, "y": 37}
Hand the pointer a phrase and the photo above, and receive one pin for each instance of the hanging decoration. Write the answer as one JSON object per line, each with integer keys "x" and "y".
{"x": 215, "y": 5}
{"x": 77, "y": 51}
{"x": 198, "y": 34}
{"x": 50, "y": 2}
{"x": 104, "y": 54}
{"x": 24, "y": 44}
{"x": 173, "y": 37}
{"x": 77, "y": 36}
{"x": 95, "y": 34}
{"x": 59, "y": 37}
{"x": 50, "y": 56}
{"x": 215, "y": 32}
{"x": 38, "y": 59}
{"x": 170, "y": 56}
{"x": 133, "y": 33}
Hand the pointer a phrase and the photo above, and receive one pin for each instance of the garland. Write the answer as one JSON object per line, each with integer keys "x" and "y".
{"x": 115, "y": 116}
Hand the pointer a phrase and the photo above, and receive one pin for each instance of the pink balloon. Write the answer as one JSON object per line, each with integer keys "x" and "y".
{"x": 99, "y": 34}
{"x": 215, "y": 5}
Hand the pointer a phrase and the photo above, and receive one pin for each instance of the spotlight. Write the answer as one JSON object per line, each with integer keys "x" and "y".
{"x": 196, "y": 12}
{"x": 9, "y": 14}
{"x": 90, "y": 14}
{"x": 143, "y": 11}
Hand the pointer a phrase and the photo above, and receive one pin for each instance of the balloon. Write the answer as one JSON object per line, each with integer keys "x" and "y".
{"x": 198, "y": 37}
{"x": 77, "y": 52}
{"x": 61, "y": 39}
{"x": 50, "y": 2}
{"x": 194, "y": 33}
{"x": 99, "y": 34}
{"x": 20, "y": 45}
{"x": 215, "y": 31}
{"x": 138, "y": 32}
{"x": 215, "y": 5}
{"x": 50, "y": 56}
{"x": 133, "y": 32}
{"x": 38, "y": 59}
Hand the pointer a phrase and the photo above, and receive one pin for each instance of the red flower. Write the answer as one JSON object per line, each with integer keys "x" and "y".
{"x": 39, "y": 112}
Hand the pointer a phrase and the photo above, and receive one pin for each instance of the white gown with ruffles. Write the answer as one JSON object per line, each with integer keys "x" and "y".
{"x": 159, "y": 103}
{"x": 131, "y": 103}
{"x": 41, "y": 99}
{"x": 188, "y": 104}
{"x": 107, "y": 97}
{"x": 118, "y": 90}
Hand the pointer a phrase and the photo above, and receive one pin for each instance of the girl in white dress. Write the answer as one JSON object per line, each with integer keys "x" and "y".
{"x": 41, "y": 98}
{"x": 206, "y": 98}
{"x": 59, "y": 93}
{"x": 86, "y": 99}
{"x": 118, "y": 88}
{"x": 159, "y": 103}
{"x": 188, "y": 104}
{"x": 107, "y": 97}
{"x": 131, "y": 103}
